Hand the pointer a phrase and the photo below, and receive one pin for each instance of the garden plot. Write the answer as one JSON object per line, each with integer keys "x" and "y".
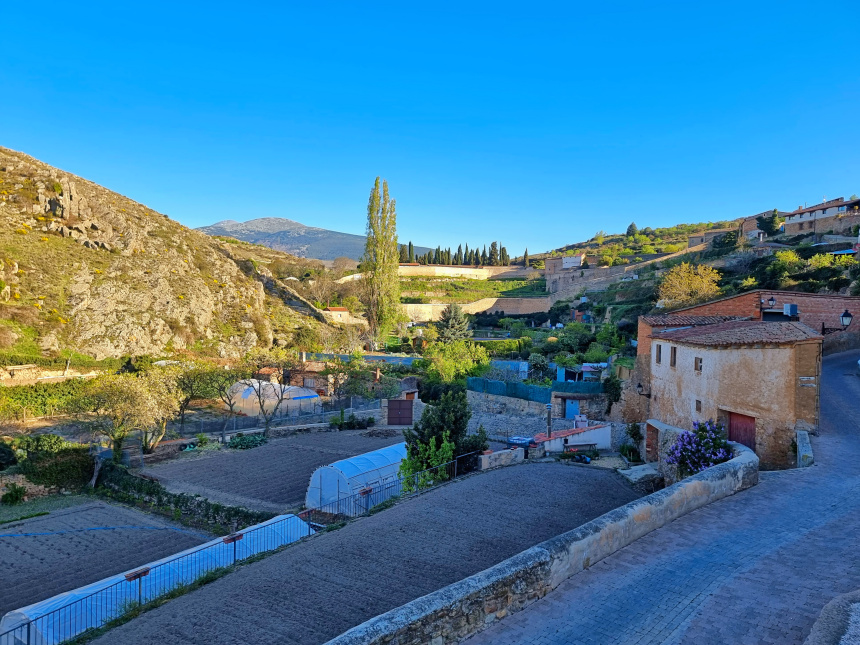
{"x": 314, "y": 590}
{"x": 43, "y": 556}
{"x": 273, "y": 477}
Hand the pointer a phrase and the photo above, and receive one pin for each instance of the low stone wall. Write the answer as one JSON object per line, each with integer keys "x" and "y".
{"x": 466, "y": 607}
{"x": 502, "y": 458}
{"x": 804, "y": 449}
{"x": 473, "y": 273}
{"x": 517, "y": 306}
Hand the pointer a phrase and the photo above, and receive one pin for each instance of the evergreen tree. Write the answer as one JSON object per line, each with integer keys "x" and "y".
{"x": 453, "y": 324}
{"x": 484, "y": 256}
{"x": 411, "y": 253}
{"x": 503, "y": 257}
{"x": 437, "y": 256}
{"x": 467, "y": 257}
{"x": 458, "y": 258}
{"x": 379, "y": 264}
{"x": 494, "y": 254}
{"x": 477, "y": 261}
{"x": 404, "y": 254}
{"x": 632, "y": 230}
{"x": 526, "y": 259}
{"x": 769, "y": 223}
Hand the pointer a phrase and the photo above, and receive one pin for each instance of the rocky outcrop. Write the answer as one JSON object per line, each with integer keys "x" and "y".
{"x": 95, "y": 271}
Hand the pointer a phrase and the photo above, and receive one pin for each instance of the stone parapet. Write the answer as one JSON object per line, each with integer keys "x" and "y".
{"x": 466, "y": 607}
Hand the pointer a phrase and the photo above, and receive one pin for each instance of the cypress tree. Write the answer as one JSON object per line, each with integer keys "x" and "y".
{"x": 467, "y": 258}
{"x": 437, "y": 256}
{"x": 458, "y": 257}
{"x": 404, "y": 254}
{"x": 526, "y": 258}
{"x": 494, "y": 254}
{"x": 379, "y": 264}
{"x": 484, "y": 256}
{"x": 411, "y": 254}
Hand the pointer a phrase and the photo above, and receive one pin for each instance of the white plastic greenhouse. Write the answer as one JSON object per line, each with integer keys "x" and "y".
{"x": 352, "y": 486}
{"x": 68, "y": 614}
{"x": 295, "y": 398}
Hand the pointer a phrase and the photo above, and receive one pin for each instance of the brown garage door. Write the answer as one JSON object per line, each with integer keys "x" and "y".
{"x": 399, "y": 412}
{"x": 742, "y": 429}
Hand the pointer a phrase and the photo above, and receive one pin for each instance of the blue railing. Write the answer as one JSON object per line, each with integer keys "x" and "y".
{"x": 535, "y": 393}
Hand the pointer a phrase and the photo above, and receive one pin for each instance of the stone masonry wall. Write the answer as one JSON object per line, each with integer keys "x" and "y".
{"x": 466, "y": 607}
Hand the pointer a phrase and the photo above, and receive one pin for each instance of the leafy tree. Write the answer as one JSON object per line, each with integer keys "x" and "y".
{"x": 193, "y": 382}
{"x": 526, "y": 258}
{"x": 164, "y": 396}
{"x": 446, "y": 362}
{"x": 447, "y": 420}
{"x": 381, "y": 257}
{"x": 421, "y": 469}
{"x": 221, "y": 381}
{"x": 769, "y": 223}
{"x": 688, "y": 284}
{"x": 270, "y": 396}
{"x": 599, "y": 237}
{"x": 453, "y": 324}
{"x": 119, "y": 405}
{"x": 632, "y": 230}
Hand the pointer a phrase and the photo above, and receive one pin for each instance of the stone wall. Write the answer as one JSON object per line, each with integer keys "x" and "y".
{"x": 472, "y": 273}
{"x": 516, "y": 306}
{"x": 466, "y": 607}
{"x": 502, "y": 458}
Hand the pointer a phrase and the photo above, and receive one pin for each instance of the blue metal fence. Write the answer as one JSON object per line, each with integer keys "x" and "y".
{"x": 535, "y": 393}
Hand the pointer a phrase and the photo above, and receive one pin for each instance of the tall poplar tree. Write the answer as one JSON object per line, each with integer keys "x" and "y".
{"x": 379, "y": 264}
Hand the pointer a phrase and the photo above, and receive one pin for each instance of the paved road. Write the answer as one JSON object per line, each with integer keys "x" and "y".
{"x": 315, "y": 590}
{"x": 755, "y": 568}
{"x": 47, "y": 555}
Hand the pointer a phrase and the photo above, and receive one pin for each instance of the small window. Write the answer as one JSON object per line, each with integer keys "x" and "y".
{"x": 673, "y": 354}
{"x": 659, "y": 353}
{"x": 698, "y": 364}
{"x": 698, "y": 405}
{"x": 309, "y": 382}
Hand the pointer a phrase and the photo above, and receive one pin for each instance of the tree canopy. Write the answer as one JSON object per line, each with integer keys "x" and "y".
{"x": 380, "y": 262}
{"x": 453, "y": 324}
{"x": 688, "y": 284}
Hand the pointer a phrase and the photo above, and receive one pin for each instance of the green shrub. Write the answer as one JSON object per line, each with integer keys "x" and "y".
{"x": 7, "y": 456}
{"x": 15, "y": 495}
{"x": 47, "y": 444}
{"x": 70, "y": 468}
{"x": 630, "y": 452}
{"x": 202, "y": 439}
{"x": 352, "y": 423}
{"x": 246, "y": 442}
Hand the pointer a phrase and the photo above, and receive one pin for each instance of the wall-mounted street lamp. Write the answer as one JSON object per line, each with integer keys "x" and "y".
{"x": 845, "y": 320}
{"x": 761, "y": 302}
{"x": 641, "y": 391}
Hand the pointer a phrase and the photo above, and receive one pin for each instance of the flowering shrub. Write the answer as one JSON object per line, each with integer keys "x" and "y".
{"x": 694, "y": 451}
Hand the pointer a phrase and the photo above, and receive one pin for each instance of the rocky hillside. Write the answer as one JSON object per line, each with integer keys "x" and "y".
{"x": 293, "y": 237}
{"x": 87, "y": 269}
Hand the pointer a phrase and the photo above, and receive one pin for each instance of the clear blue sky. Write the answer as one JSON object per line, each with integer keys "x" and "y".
{"x": 536, "y": 124}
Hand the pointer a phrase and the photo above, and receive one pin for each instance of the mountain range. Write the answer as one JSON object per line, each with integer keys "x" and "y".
{"x": 294, "y": 238}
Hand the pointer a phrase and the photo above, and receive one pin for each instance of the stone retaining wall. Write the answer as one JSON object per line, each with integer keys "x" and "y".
{"x": 464, "y": 608}
{"x": 502, "y": 458}
{"x": 515, "y": 306}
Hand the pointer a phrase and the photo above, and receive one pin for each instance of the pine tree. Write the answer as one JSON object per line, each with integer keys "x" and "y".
{"x": 411, "y": 254}
{"x": 404, "y": 254}
{"x": 526, "y": 259}
{"x": 379, "y": 264}
{"x": 494, "y": 254}
{"x": 632, "y": 230}
{"x": 453, "y": 324}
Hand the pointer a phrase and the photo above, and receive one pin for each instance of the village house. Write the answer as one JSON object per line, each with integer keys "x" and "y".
{"x": 707, "y": 237}
{"x": 564, "y": 263}
{"x": 749, "y": 225}
{"x": 309, "y": 375}
{"x": 835, "y": 215}
{"x": 760, "y": 379}
{"x": 338, "y": 314}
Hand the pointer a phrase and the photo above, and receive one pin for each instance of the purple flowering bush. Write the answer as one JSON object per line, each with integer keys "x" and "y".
{"x": 702, "y": 448}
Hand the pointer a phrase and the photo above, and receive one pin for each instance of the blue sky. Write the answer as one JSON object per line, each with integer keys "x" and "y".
{"x": 533, "y": 124}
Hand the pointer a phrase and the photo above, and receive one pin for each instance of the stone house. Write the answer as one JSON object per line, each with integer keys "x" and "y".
{"x": 309, "y": 375}
{"x": 761, "y": 379}
{"x": 820, "y": 311}
{"x": 833, "y": 215}
{"x": 564, "y": 263}
{"x": 707, "y": 237}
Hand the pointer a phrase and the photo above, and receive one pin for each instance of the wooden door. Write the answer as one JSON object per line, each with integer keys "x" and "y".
{"x": 742, "y": 429}
{"x": 399, "y": 412}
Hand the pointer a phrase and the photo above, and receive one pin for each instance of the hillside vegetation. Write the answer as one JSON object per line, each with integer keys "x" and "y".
{"x": 86, "y": 270}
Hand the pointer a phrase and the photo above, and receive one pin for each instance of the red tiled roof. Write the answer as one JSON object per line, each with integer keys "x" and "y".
{"x": 538, "y": 438}
{"x": 336, "y": 309}
{"x": 741, "y": 332}
{"x": 682, "y": 320}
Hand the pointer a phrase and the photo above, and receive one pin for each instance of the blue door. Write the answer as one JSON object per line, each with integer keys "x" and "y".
{"x": 571, "y": 408}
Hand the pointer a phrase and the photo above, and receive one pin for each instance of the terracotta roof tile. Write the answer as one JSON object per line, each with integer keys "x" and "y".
{"x": 682, "y": 320}
{"x": 740, "y": 333}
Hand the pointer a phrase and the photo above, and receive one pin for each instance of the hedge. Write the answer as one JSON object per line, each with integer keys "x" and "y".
{"x": 41, "y": 399}
{"x": 70, "y": 468}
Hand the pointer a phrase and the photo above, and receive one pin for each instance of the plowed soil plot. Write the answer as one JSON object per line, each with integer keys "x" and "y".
{"x": 273, "y": 477}
{"x": 319, "y": 588}
{"x": 67, "y": 549}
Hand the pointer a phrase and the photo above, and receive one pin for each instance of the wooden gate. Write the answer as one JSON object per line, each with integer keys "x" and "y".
{"x": 399, "y": 412}
{"x": 742, "y": 429}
